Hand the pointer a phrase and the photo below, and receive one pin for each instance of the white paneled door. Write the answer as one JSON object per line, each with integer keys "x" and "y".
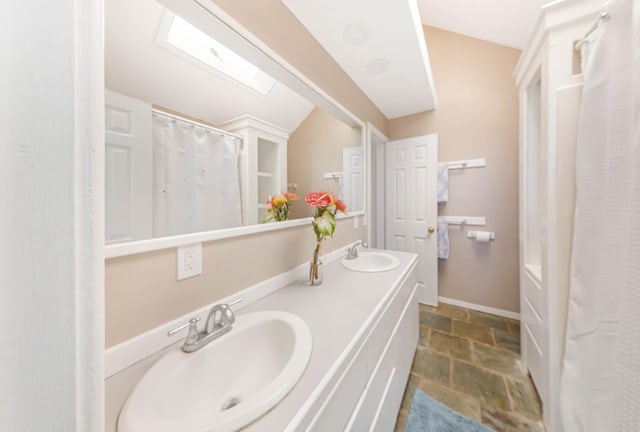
{"x": 412, "y": 208}
{"x": 352, "y": 167}
{"x": 128, "y": 164}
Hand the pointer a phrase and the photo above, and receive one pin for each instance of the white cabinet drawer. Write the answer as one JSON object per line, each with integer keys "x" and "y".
{"x": 336, "y": 410}
{"x": 376, "y": 351}
{"x": 379, "y": 403}
{"x": 389, "y": 319}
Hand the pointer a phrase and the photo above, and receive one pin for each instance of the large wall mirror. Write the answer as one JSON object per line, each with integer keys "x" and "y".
{"x": 202, "y": 128}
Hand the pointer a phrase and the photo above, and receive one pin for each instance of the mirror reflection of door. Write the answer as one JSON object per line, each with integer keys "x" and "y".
{"x": 129, "y": 159}
{"x": 164, "y": 63}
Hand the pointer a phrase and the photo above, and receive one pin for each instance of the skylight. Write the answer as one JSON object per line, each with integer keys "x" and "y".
{"x": 202, "y": 47}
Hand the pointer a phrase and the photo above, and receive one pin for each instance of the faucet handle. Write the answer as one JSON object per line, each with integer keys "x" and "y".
{"x": 220, "y": 315}
{"x": 349, "y": 253}
{"x": 192, "y": 324}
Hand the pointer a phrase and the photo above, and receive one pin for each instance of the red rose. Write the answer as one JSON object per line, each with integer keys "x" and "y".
{"x": 319, "y": 199}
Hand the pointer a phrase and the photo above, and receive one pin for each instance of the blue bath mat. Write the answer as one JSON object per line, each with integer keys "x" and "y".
{"x": 429, "y": 415}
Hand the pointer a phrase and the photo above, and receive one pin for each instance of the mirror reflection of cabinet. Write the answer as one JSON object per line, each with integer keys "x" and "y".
{"x": 263, "y": 164}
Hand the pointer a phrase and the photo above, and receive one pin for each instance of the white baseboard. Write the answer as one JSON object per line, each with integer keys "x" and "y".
{"x": 480, "y": 308}
{"x": 123, "y": 355}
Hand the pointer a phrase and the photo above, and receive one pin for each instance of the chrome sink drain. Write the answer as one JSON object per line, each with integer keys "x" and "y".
{"x": 230, "y": 403}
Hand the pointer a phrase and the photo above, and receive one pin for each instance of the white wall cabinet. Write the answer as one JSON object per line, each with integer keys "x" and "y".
{"x": 549, "y": 81}
{"x": 263, "y": 164}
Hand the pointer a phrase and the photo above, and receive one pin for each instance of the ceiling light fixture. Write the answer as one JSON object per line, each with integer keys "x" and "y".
{"x": 378, "y": 66}
{"x": 357, "y": 33}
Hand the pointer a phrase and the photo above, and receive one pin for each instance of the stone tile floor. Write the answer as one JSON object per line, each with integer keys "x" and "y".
{"x": 470, "y": 361}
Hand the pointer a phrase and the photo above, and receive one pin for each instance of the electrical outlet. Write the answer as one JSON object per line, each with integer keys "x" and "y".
{"x": 189, "y": 261}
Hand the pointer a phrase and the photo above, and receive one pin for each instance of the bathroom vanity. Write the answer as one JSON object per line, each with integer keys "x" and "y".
{"x": 364, "y": 328}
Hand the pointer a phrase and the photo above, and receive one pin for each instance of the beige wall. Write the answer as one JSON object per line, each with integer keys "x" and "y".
{"x": 477, "y": 117}
{"x": 315, "y": 148}
{"x": 142, "y": 292}
{"x": 274, "y": 24}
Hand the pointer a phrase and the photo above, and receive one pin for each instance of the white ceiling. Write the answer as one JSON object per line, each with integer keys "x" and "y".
{"x": 379, "y": 44}
{"x": 505, "y": 22}
{"x": 138, "y": 67}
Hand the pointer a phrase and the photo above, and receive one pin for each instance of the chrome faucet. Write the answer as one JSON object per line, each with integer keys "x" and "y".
{"x": 352, "y": 252}
{"x": 219, "y": 321}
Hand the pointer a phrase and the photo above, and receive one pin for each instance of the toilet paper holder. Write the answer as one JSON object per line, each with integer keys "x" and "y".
{"x": 474, "y": 234}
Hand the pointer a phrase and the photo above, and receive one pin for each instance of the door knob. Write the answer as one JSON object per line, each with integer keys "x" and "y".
{"x": 431, "y": 230}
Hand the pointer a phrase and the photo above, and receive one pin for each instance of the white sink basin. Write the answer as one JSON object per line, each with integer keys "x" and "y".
{"x": 372, "y": 262}
{"x": 225, "y": 385}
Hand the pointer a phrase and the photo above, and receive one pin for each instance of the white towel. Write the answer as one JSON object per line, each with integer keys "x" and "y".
{"x": 443, "y": 238}
{"x": 443, "y": 183}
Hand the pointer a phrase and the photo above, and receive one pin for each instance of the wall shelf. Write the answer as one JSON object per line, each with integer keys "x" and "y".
{"x": 465, "y": 220}
{"x": 467, "y": 163}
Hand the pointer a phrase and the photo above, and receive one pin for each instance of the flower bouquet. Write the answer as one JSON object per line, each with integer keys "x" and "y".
{"x": 324, "y": 224}
{"x": 279, "y": 207}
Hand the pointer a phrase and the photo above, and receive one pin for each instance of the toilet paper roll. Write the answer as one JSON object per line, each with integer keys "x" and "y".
{"x": 483, "y": 236}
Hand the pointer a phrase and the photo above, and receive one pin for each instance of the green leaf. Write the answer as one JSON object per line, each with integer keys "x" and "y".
{"x": 325, "y": 224}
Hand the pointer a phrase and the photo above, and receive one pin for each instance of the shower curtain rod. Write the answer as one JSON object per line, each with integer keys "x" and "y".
{"x": 603, "y": 17}
{"x": 204, "y": 125}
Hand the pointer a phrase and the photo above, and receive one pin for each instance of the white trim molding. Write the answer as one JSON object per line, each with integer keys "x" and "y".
{"x": 480, "y": 308}
{"x": 136, "y": 247}
{"x": 52, "y": 217}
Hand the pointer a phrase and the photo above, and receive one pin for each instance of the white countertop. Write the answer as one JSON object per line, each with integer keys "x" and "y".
{"x": 337, "y": 313}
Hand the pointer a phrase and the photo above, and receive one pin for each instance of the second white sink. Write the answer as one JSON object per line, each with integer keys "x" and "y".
{"x": 225, "y": 385}
{"x": 372, "y": 262}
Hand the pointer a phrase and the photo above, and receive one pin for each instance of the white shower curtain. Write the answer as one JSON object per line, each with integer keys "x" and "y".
{"x": 601, "y": 373}
{"x": 195, "y": 178}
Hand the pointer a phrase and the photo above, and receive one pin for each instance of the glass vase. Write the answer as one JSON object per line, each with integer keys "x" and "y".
{"x": 316, "y": 268}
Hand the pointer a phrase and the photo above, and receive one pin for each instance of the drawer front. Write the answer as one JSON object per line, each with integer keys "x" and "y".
{"x": 389, "y": 319}
{"x": 404, "y": 347}
{"x": 364, "y": 414}
{"x": 337, "y": 407}
{"x": 336, "y": 410}
{"x": 380, "y": 402}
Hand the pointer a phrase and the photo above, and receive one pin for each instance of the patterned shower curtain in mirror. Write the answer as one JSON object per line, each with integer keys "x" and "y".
{"x": 601, "y": 373}
{"x": 195, "y": 178}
